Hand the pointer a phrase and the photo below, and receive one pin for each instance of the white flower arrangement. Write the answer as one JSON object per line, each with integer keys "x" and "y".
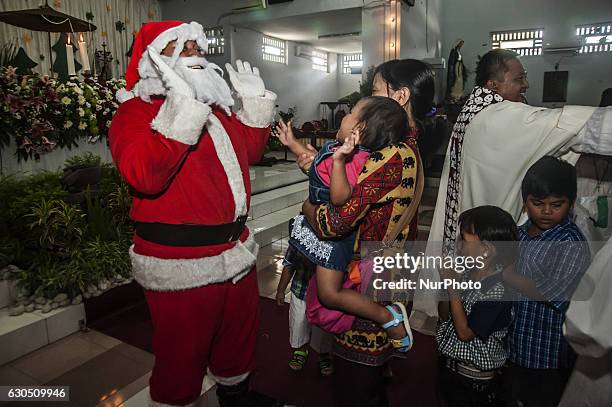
{"x": 40, "y": 113}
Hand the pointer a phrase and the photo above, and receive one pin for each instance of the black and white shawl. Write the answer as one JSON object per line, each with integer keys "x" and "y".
{"x": 479, "y": 99}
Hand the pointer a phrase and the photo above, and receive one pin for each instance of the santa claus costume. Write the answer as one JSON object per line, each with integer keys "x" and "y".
{"x": 186, "y": 158}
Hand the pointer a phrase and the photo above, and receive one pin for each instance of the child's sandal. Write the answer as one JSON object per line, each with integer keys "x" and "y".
{"x": 326, "y": 365}
{"x": 404, "y": 344}
{"x": 298, "y": 360}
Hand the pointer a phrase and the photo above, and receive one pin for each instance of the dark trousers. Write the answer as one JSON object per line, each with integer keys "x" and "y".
{"x": 359, "y": 385}
{"x": 460, "y": 391}
{"x": 534, "y": 387}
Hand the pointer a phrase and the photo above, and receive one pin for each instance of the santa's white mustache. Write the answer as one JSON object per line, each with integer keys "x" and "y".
{"x": 207, "y": 80}
{"x": 197, "y": 63}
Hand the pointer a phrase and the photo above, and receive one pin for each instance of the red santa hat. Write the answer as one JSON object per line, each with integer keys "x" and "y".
{"x": 147, "y": 34}
{"x": 157, "y": 35}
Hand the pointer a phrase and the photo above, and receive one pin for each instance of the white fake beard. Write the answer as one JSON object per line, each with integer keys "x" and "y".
{"x": 209, "y": 85}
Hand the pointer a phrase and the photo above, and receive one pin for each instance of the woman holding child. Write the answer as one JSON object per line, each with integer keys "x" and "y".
{"x": 370, "y": 207}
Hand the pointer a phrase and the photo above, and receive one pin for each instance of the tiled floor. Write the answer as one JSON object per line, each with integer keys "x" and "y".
{"x": 103, "y": 371}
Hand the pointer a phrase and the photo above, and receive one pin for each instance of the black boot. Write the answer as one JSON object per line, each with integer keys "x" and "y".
{"x": 239, "y": 395}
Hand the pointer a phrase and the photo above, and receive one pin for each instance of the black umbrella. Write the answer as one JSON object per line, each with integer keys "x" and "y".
{"x": 46, "y": 19}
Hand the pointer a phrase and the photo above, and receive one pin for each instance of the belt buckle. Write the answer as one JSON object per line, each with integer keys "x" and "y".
{"x": 238, "y": 227}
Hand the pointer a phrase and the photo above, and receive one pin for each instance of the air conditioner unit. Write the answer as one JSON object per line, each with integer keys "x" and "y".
{"x": 303, "y": 51}
{"x": 248, "y": 5}
{"x": 436, "y": 63}
{"x": 569, "y": 45}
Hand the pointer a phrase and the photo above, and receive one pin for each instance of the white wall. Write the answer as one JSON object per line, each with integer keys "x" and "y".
{"x": 206, "y": 13}
{"x": 421, "y": 36}
{"x": 346, "y": 83}
{"x": 52, "y": 161}
{"x": 293, "y": 8}
{"x": 473, "y": 20}
{"x": 296, "y": 83}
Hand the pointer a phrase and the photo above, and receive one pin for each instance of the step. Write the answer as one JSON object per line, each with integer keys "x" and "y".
{"x": 280, "y": 175}
{"x": 277, "y": 199}
{"x": 432, "y": 182}
{"x": 29, "y": 331}
{"x": 272, "y": 253}
{"x": 274, "y": 226}
{"x": 430, "y": 196}
{"x": 425, "y": 217}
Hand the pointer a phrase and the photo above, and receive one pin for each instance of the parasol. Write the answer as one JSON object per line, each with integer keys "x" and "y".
{"x": 46, "y": 19}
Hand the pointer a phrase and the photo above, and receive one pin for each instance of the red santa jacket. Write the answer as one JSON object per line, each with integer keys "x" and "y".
{"x": 174, "y": 182}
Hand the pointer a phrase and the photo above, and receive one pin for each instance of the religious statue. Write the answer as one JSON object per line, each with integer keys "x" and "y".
{"x": 457, "y": 74}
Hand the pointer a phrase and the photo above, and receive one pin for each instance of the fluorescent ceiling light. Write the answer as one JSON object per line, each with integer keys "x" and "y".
{"x": 351, "y": 34}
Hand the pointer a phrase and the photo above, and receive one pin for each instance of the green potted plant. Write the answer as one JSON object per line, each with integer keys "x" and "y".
{"x": 82, "y": 172}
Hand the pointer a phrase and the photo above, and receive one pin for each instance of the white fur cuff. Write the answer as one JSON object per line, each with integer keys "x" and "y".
{"x": 228, "y": 381}
{"x": 124, "y": 95}
{"x": 257, "y": 111}
{"x": 181, "y": 118}
{"x": 181, "y": 274}
{"x": 153, "y": 403}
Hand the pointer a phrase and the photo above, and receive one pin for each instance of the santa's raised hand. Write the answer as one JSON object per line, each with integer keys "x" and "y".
{"x": 172, "y": 81}
{"x": 246, "y": 80}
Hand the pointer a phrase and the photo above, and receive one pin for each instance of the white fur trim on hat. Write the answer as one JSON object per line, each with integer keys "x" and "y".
{"x": 181, "y": 34}
{"x": 149, "y": 82}
{"x": 227, "y": 156}
{"x": 228, "y": 381}
{"x": 180, "y": 274}
{"x": 257, "y": 111}
{"x": 181, "y": 118}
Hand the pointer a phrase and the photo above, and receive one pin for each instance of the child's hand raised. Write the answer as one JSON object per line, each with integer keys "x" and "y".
{"x": 285, "y": 134}
{"x": 347, "y": 146}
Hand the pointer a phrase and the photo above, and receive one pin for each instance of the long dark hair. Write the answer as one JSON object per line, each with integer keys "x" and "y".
{"x": 415, "y": 75}
{"x": 384, "y": 122}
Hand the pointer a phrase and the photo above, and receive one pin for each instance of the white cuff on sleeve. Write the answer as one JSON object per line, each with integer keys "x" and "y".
{"x": 257, "y": 111}
{"x": 181, "y": 118}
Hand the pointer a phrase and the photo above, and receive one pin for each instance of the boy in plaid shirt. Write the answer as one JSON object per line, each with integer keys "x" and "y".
{"x": 553, "y": 256}
{"x": 474, "y": 323}
{"x": 301, "y": 332}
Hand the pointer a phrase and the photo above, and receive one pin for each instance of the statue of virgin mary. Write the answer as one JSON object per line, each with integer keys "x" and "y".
{"x": 457, "y": 74}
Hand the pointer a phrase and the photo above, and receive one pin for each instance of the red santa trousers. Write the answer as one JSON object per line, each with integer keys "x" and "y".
{"x": 214, "y": 327}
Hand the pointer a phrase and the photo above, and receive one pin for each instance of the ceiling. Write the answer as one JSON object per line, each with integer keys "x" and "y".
{"x": 307, "y": 28}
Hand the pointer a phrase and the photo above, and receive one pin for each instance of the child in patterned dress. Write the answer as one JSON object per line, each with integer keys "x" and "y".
{"x": 374, "y": 123}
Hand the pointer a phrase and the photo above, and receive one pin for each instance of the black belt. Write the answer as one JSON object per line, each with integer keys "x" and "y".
{"x": 191, "y": 235}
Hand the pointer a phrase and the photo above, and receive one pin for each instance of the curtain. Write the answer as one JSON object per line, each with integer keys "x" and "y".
{"x": 106, "y": 14}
